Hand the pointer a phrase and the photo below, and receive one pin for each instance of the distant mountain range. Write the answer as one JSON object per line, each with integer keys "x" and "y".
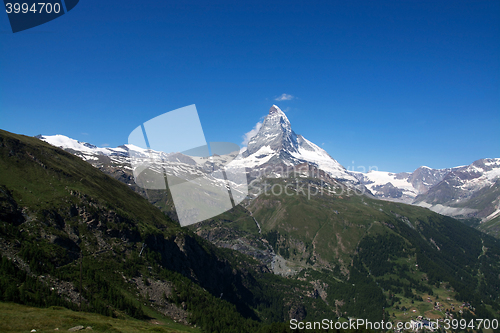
{"x": 471, "y": 191}
{"x": 466, "y": 192}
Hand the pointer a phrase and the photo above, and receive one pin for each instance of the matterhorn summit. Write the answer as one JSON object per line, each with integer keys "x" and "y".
{"x": 275, "y": 133}
{"x": 276, "y": 143}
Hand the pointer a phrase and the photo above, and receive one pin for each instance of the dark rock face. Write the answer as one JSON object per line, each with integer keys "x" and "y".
{"x": 388, "y": 191}
{"x": 297, "y": 312}
{"x": 9, "y": 210}
{"x": 424, "y": 178}
{"x": 185, "y": 255}
{"x": 461, "y": 183}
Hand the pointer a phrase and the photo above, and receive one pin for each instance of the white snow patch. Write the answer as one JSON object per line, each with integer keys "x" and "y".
{"x": 380, "y": 178}
{"x": 323, "y": 160}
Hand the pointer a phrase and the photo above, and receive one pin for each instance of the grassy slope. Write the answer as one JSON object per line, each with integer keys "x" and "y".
{"x": 491, "y": 227}
{"x": 22, "y": 318}
{"x": 331, "y": 232}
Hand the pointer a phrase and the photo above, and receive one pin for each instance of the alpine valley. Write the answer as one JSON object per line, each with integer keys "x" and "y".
{"x": 312, "y": 240}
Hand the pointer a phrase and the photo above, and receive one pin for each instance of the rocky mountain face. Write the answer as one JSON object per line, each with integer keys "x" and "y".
{"x": 276, "y": 133}
{"x": 423, "y": 178}
{"x": 403, "y": 186}
{"x": 471, "y": 191}
{"x": 460, "y": 184}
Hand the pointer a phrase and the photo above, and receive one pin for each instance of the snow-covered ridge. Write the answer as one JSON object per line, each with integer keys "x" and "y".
{"x": 483, "y": 172}
{"x": 65, "y": 142}
{"x": 275, "y": 142}
{"x": 403, "y": 186}
{"x": 134, "y": 158}
{"x": 310, "y": 152}
{"x": 375, "y": 181}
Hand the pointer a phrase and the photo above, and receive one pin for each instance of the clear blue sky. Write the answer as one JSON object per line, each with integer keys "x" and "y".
{"x": 392, "y": 84}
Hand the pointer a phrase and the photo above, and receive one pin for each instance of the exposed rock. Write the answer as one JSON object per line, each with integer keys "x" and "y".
{"x": 157, "y": 293}
{"x": 298, "y": 312}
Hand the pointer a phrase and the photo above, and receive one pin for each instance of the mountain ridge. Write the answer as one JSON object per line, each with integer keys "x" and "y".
{"x": 276, "y": 148}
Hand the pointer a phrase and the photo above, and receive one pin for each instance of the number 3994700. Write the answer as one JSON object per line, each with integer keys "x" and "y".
{"x": 36, "y": 8}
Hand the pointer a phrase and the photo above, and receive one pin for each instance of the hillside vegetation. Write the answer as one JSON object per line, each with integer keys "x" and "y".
{"x": 392, "y": 255}
{"x": 60, "y": 216}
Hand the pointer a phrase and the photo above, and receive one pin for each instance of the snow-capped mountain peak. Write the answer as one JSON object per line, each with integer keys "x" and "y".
{"x": 276, "y": 143}
{"x": 275, "y": 109}
{"x": 275, "y": 132}
{"x": 277, "y": 115}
